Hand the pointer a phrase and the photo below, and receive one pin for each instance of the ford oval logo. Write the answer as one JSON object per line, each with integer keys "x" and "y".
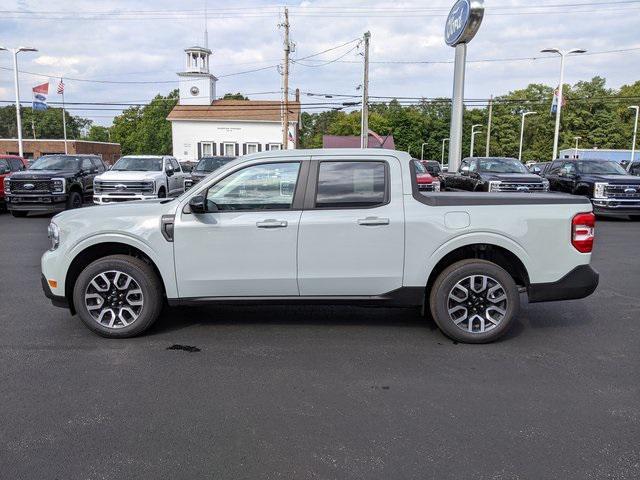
{"x": 463, "y": 21}
{"x": 456, "y": 22}
{"x": 28, "y": 186}
{"x": 522, "y": 189}
{"x": 630, "y": 190}
{"x": 121, "y": 186}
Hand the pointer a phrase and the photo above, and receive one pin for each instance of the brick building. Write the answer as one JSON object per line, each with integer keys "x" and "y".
{"x": 34, "y": 149}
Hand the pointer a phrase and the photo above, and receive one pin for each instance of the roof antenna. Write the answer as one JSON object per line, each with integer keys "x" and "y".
{"x": 206, "y": 31}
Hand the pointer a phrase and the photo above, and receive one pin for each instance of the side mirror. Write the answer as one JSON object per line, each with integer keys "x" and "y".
{"x": 169, "y": 172}
{"x": 536, "y": 170}
{"x": 464, "y": 170}
{"x": 199, "y": 204}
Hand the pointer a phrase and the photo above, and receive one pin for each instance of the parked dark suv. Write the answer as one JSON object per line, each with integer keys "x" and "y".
{"x": 53, "y": 183}
{"x": 204, "y": 167}
{"x": 608, "y": 185}
{"x": 8, "y": 165}
{"x": 495, "y": 174}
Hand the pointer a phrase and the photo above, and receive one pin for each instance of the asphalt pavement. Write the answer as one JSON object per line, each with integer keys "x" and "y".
{"x": 320, "y": 392}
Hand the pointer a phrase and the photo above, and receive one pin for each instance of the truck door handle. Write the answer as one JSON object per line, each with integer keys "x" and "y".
{"x": 373, "y": 221}
{"x": 271, "y": 223}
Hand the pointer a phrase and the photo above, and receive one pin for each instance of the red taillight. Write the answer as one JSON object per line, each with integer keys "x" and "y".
{"x": 583, "y": 231}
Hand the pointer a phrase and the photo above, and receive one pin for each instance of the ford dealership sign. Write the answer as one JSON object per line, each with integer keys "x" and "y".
{"x": 463, "y": 21}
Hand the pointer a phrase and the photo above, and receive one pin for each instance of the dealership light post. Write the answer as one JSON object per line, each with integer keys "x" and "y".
{"x": 635, "y": 133}
{"x": 461, "y": 25}
{"x": 473, "y": 137}
{"x": 422, "y": 151}
{"x": 524, "y": 114}
{"x": 575, "y": 151}
{"x": 559, "y": 101}
{"x": 15, "y": 52}
{"x": 442, "y": 158}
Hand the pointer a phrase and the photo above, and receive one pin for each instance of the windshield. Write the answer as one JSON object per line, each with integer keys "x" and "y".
{"x": 419, "y": 167}
{"x": 602, "y": 168}
{"x": 501, "y": 165}
{"x": 56, "y": 163}
{"x": 211, "y": 164}
{"x": 138, "y": 164}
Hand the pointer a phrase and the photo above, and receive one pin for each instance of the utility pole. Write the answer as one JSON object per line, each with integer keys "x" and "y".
{"x": 364, "y": 120}
{"x": 486, "y": 152}
{"x": 635, "y": 134}
{"x": 287, "y": 51}
{"x": 33, "y": 126}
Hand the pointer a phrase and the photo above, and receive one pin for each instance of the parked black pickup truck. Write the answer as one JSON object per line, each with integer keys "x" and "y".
{"x": 608, "y": 185}
{"x": 494, "y": 174}
{"x": 53, "y": 183}
{"x": 205, "y": 166}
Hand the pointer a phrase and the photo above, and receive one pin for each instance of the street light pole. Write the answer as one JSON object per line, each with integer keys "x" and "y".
{"x": 16, "y": 86}
{"x": 442, "y": 158}
{"x": 575, "y": 151}
{"x": 422, "y": 151}
{"x": 635, "y": 133}
{"x": 473, "y": 137}
{"x": 524, "y": 114}
{"x": 559, "y": 105}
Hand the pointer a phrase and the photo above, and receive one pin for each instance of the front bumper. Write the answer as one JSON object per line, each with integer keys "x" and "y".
{"x": 56, "y": 300}
{"x": 37, "y": 203}
{"x": 617, "y": 206}
{"x": 580, "y": 282}
{"x": 105, "y": 199}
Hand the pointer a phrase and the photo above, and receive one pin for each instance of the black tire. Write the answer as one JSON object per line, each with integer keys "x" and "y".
{"x": 74, "y": 200}
{"x": 162, "y": 193}
{"x": 19, "y": 213}
{"x": 440, "y": 302}
{"x": 140, "y": 272}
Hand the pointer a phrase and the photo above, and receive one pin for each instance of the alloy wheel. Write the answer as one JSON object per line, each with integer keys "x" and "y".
{"x": 114, "y": 299}
{"x": 477, "y": 303}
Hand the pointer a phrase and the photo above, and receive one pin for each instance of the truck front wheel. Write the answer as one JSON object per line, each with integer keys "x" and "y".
{"x": 474, "y": 301}
{"x": 118, "y": 296}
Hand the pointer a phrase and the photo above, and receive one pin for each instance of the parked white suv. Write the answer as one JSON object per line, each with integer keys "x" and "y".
{"x": 139, "y": 177}
{"x": 322, "y": 226}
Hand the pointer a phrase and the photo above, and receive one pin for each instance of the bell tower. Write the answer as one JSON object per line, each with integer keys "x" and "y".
{"x": 197, "y": 85}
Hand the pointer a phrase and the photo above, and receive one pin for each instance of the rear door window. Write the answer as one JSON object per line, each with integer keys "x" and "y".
{"x": 351, "y": 184}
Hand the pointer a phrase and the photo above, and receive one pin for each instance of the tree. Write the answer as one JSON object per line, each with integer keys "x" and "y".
{"x": 47, "y": 123}
{"x": 234, "y": 96}
{"x": 98, "y": 133}
{"x": 146, "y": 130}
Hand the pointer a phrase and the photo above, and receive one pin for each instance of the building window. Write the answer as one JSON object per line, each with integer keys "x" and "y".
{"x": 252, "y": 148}
{"x": 229, "y": 149}
{"x": 274, "y": 146}
{"x": 207, "y": 149}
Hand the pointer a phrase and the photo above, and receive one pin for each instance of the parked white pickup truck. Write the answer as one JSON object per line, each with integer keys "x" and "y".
{"x": 139, "y": 177}
{"x": 322, "y": 226}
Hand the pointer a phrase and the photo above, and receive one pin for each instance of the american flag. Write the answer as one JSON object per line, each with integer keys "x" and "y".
{"x": 60, "y": 87}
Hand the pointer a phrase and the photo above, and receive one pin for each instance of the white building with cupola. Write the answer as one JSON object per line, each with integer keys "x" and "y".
{"x": 203, "y": 125}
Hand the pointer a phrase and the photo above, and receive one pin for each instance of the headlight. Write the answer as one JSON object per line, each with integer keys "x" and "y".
{"x": 598, "y": 190}
{"x": 57, "y": 185}
{"x": 53, "y": 232}
{"x": 7, "y": 187}
{"x": 436, "y": 186}
{"x": 545, "y": 185}
{"x": 494, "y": 185}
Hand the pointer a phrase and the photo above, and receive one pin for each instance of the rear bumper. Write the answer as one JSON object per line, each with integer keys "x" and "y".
{"x": 56, "y": 300}
{"x": 578, "y": 283}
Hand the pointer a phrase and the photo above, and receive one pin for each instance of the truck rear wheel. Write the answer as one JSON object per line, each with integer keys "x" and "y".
{"x": 118, "y": 296}
{"x": 474, "y": 301}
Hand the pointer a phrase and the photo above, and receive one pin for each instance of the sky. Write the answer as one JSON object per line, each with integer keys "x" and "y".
{"x": 142, "y": 42}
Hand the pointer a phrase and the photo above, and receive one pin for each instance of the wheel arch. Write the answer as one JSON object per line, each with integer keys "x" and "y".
{"x": 100, "y": 250}
{"x": 492, "y": 252}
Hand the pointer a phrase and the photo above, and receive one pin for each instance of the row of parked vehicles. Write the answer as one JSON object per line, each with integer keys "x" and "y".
{"x": 61, "y": 182}
{"x": 611, "y": 188}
